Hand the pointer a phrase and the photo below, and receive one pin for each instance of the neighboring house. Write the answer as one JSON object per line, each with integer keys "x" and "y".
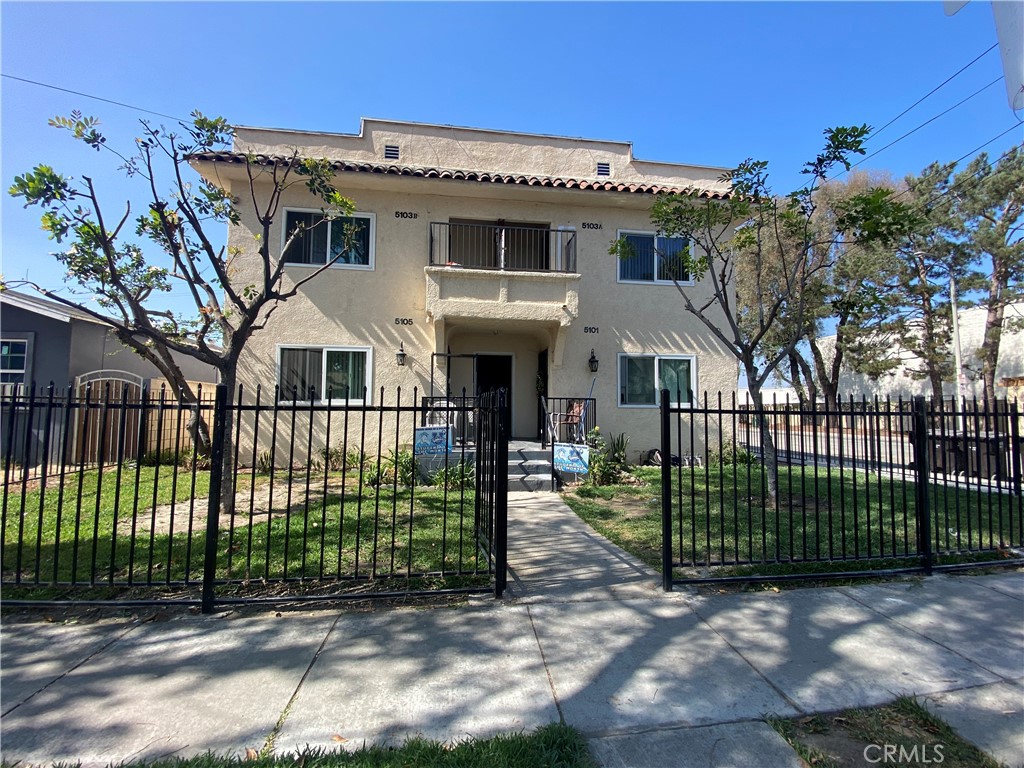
{"x": 972, "y": 332}
{"x": 481, "y": 258}
{"x": 43, "y": 341}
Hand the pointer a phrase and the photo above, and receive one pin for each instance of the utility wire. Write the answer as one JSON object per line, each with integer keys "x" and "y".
{"x": 926, "y": 122}
{"x": 96, "y": 98}
{"x": 919, "y": 101}
{"x": 932, "y": 91}
{"x": 919, "y": 207}
{"x": 958, "y": 161}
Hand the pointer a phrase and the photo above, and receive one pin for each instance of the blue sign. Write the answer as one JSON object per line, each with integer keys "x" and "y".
{"x": 572, "y": 458}
{"x": 432, "y": 440}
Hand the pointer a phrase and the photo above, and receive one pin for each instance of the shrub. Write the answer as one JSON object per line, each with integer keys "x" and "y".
{"x": 355, "y": 458}
{"x": 165, "y": 458}
{"x": 730, "y": 454}
{"x": 455, "y": 477}
{"x": 265, "y": 463}
{"x": 196, "y": 461}
{"x": 608, "y": 460}
{"x": 399, "y": 466}
{"x": 333, "y": 458}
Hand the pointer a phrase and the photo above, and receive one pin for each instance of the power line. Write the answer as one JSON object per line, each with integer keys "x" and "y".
{"x": 933, "y": 90}
{"x": 956, "y": 162}
{"x": 919, "y": 207}
{"x": 926, "y": 122}
{"x": 96, "y": 98}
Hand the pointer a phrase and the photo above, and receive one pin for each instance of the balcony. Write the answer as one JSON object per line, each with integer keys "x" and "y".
{"x": 500, "y": 246}
{"x": 499, "y": 276}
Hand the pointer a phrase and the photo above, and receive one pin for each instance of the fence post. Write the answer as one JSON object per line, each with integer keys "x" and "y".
{"x": 500, "y": 525}
{"x": 920, "y": 439}
{"x": 213, "y": 501}
{"x": 1015, "y": 457}
{"x": 666, "y": 494}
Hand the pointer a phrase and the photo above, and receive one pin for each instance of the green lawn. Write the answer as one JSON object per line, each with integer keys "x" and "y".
{"x": 720, "y": 516}
{"x": 551, "y": 746}
{"x": 316, "y": 527}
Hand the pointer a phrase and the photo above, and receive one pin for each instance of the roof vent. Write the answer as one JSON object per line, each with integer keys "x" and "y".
{"x": 390, "y": 151}
{"x": 604, "y": 169}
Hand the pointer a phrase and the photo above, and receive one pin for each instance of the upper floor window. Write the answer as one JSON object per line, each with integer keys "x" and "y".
{"x": 642, "y": 377}
{"x": 346, "y": 241}
{"x": 13, "y": 361}
{"x": 343, "y": 373}
{"x": 653, "y": 258}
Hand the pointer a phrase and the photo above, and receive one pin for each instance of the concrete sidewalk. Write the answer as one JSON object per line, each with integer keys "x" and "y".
{"x": 586, "y": 636}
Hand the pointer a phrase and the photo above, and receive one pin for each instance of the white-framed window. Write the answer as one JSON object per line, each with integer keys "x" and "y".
{"x": 642, "y": 377}
{"x": 341, "y": 373}
{"x": 653, "y": 258}
{"x": 347, "y": 241}
{"x": 13, "y": 361}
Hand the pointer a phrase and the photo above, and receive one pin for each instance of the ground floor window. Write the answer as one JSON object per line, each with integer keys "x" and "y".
{"x": 641, "y": 377}
{"x": 13, "y": 361}
{"x": 319, "y": 373}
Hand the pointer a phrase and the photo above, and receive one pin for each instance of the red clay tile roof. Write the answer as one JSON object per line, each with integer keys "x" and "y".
{"x": 346, "y": 166}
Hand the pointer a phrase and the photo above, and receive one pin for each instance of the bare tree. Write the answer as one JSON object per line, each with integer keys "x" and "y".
{"x": 129, "y": 260}
{"x": 769, "y": 249}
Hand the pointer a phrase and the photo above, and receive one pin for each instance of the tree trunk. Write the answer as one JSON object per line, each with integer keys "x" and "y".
{"x": 796, "y": 375}
{"x": 227, "y": 487}
{"x": 989, "y": 352}
{"x": 812, "y": 386}
{"x": 829, "y": 388}
{"x": 768, "y": 451}
{"x": 935, "y": 377}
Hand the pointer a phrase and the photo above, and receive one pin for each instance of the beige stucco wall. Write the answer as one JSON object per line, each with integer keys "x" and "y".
{"x": 451, "y": 147}
{"x": 426, "y": 310}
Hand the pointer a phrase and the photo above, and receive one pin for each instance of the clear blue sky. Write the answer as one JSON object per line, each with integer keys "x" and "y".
{"x": 707, "y": 83}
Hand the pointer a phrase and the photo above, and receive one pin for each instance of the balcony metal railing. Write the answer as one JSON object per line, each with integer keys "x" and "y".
{"x": 499, "y": 246}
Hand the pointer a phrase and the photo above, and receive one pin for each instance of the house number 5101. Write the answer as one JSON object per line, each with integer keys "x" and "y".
{"x": 590, "y": 329}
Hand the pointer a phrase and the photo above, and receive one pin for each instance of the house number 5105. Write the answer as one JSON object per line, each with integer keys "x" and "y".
{"x": 403, "y": 321}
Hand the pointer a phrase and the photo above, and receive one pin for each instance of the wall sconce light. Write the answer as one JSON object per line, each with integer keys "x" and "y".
{"x": 593, "y": 362}
{"x": 400, "y": 354}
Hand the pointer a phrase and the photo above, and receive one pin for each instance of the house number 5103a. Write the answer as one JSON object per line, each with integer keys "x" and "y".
{"x": 403, "y": 321}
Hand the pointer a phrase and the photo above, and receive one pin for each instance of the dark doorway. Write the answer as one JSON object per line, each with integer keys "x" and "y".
{"x": 542, "y": 389}
{"x": 495, "y": 372}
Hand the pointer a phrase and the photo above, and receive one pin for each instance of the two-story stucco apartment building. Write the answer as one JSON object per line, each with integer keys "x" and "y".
{"x": 481, "y": 255}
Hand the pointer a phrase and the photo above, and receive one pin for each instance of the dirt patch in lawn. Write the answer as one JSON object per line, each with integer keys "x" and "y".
{"x": 266, "y": 502}
{"x": 904, "y": 732}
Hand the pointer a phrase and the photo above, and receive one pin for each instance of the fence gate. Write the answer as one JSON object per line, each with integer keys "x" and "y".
{"x": 97, "y": 424}
{"x": 492, "y": 484}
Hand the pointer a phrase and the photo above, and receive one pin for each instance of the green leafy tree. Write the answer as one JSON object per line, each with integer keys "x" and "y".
{"x": 987, "y": 205}
{"x": 922, "y": 320}
{"x": 130, "y": 259}
{"x": 773, "y": 246}
{"x": 851, "y": 294}
{"x": 969, "y": 235}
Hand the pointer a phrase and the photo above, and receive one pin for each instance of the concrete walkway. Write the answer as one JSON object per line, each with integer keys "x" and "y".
{"x": 586, "y": 636}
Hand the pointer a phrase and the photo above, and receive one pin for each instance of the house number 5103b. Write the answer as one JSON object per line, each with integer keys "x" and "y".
{"x": 403, "y": 321}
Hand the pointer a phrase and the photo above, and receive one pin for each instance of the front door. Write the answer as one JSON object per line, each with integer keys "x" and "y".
{"x": 495, "y": 372}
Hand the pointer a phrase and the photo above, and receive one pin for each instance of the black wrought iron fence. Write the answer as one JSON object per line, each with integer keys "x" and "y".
{"x": 492, "y": 484}
{"x": 302, "y": 491}
{"x": 884, "y": 481}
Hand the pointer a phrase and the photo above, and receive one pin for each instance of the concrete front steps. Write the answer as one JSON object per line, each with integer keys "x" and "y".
{"x": 529, "y": 466}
